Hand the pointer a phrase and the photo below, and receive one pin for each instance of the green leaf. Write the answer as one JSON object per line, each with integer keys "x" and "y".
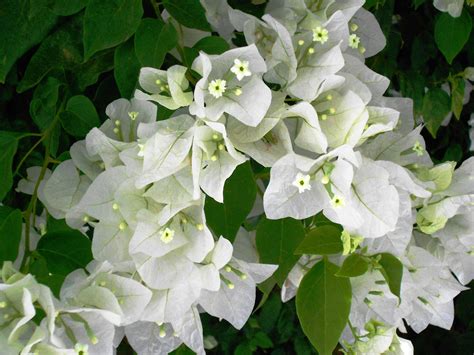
{"x": 212, "y": 45}
{"x": 88, "y": 73}
{"x": 68, "y": 7}
{"x": 80, "y": 116}
{"x": 24, "y": 24}
{"x": 209, "y": 45}
{"x": 62, "y": 49}
{"x": 8, "y": 147}
{"x": 39, "y": 269}
{"x": 392, "y": 270}
{"x": 10, "y": 233}
{"x": 276, "y": 242}
{"x": 418, "y": 3}
{"x": 323, "y": 240}
{"x": 354, "y": 265}
{"x": 44, "y": 102}
{"x": 452, "y": 33}
{"x": 225, "y": 219}
{"x": 108, "y": 23}
{"x": 126, "y": 68}
{"x": 323, "y": 303}
{"x": 189, "y": 13}
{"x": 457, "y": 95}
{"x": 453, "y": 153}
{"x": 153, "y": 40}
{"x": 65, "y": 251}
{"x": 436, "y": 105}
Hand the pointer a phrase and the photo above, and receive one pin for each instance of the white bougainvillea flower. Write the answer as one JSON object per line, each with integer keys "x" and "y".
{"x": 166, "y": 87}
{"x": 64, "y": 189}
{"x": 282, "y": 197}
{"x": 455, "y": 246}
{"x": 354, "y": 41}
{"x": 214, "y": 262}
{"x": 240, "y": 69}
{"x": 214, "y": 159}
{"x": 308, "y": 134}
{"x": 376, "y": 83}
{"x": 151, "y": 338}
{"x": 373, "y": 198}
{"x": 397, "y": 148}
{"x": 166, "y": 151}
{"x": 302, "y": 182}
{"x": 235, "y": 299}
{"x": 121, "y": 298}
{"x": 320, "y": 34}
{"x": 428, "y": 289}
{"x": 253, "y": 99}
{"x": 125, "y": 116}
{"x": 317, "y": 71}
{"x": 371, "y": 38}
{"x": 217, "y": 87}
{"x": 342, "y": 119}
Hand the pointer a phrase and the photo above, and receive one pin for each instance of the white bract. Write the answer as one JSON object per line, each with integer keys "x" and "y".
{"x": 298, "y": 100}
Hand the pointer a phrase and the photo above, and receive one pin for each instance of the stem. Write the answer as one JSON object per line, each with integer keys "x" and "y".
{"x": 31, "y": 209}
{"x": 28, "y": 154}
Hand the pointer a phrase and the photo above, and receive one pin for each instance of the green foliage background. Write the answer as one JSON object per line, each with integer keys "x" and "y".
{"x": 63, "y": 61}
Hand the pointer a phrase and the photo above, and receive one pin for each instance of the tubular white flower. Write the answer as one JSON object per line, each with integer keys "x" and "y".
{"x": 240, "y": 69}
{"x": 217, "y": 87}
{"x": 302, "y": 182}
{"x": 320, "y": 34}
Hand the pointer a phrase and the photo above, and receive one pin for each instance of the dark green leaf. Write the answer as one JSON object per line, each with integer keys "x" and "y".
{"x": 10, "y": 233}
{"x": 212, "y": 45}
{"x": 354, "y": 265}
{"x": 323, "y": 303}
{"x": 276, "y": 242}
{"x": 8, "y": 147}
{"x": 24, "y": 24}
{"x": 418, "y": 3}
{"x": 189, "y": 13}
{"x": 65, "y": 251}
{"x": 153, "y": 40}
{"x": 62, "y": 49}
{"x": 209, "y": 45}
{"x": 39, "y": 268}
{"x": 452, "y": 33}
{"x": 457, "y": 95}
{"x": 43, "y": 106}
{"x": 392, "y": 270}
{"x": 436, "y": 105}
{"x": 108, "y": 23}
{"x": 126, "y": 68}
{"x": 80, "y": 116}
{"x": 68, "y": 7}
{"x": 322, "y": 240}
{"x": 240, "y": 191}
{"x": 453, "y": 153}
{"x": 88, "y": 73}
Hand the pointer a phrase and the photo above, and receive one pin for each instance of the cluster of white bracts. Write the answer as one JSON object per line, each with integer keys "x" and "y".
{"x": 334, "y": 144}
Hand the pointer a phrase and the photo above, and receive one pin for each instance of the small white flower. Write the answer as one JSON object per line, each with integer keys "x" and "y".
{"x": 337, "y": 201}
{"x": 81, "y": 349}
{"x": 354, "y": 41}
{"x": 133, "y": 115}
{"x": 217, "y": 87}
{"x": 302, "y": 182}
{"x": 241, "y": 69}
{"x": 418, "y": 148}
{"x": 320, "y": 34}
{"x": 167, "y": 235}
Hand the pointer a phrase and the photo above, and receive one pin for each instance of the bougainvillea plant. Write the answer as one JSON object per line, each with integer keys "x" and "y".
{"x": 265, "y": 156}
